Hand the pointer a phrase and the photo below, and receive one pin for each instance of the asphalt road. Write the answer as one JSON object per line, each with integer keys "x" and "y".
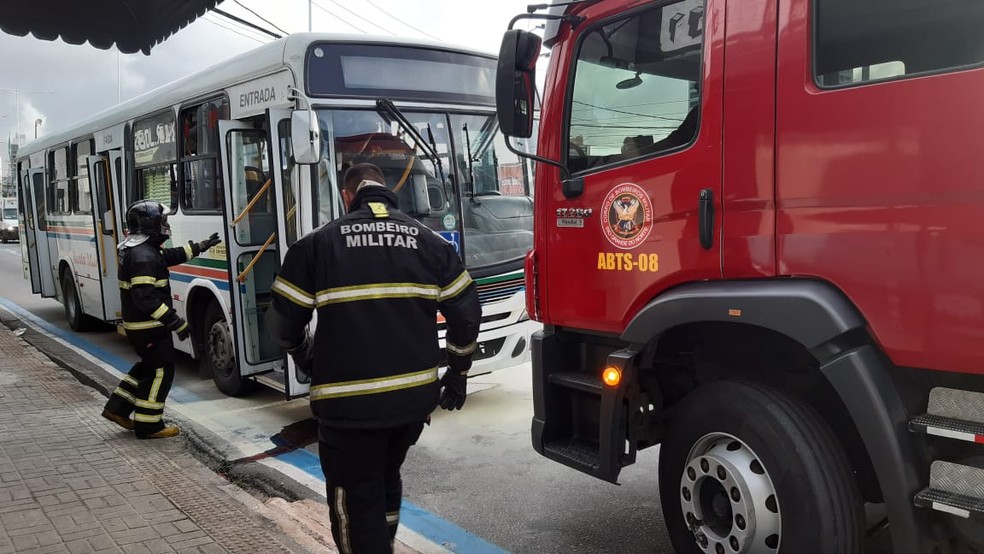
{"x": 474, "y": 468}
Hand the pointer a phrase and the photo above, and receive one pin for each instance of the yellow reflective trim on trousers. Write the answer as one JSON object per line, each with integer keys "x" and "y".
{"x": 144, "y": 418}
{"x": 292, "y": 292}
{"x": 378, "y": 210}
{"x": 159, "y": 312}
{"x": 138, "y": 402}
{"x": 374, "y": 386}
{"x": 392, "y": 518}
{"x": 376, "y": 291}
{"x": 456, "y": 287}
{"x": 131, "y": 380}
{"x": 189, "y": 253}
{"x": 156, "y": 387}
{"x": 343, "y": 521}
{"x": 141, "y": 325}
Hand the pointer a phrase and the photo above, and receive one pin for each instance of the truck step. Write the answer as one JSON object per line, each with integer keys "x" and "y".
{"x": 950, "y": 428}
{"x": 577, "y": 380}
{"x": 956, "y": 404}
{"x": 573, "y": 452}
{"x": 954, "y": 414}
{"x": 954, "y": 489}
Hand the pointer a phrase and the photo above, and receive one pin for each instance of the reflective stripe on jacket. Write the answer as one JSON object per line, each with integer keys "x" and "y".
{"x": 377, "y": 279}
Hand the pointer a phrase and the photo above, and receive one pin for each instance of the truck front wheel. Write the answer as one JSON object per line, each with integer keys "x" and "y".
{"x": 746, "y": 468}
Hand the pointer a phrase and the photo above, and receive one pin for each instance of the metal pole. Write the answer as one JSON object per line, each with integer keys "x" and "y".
{"x": 309, "y": 14}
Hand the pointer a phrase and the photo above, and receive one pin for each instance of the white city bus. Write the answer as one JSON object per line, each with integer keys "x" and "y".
{"x": 254, "y": 148}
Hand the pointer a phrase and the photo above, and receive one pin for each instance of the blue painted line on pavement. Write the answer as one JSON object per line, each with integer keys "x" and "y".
{"x": 432, "y": 527}
{"x": 177, "y": 393}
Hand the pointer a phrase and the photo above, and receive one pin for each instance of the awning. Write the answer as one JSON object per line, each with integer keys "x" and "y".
{"x": 132, "y": 25}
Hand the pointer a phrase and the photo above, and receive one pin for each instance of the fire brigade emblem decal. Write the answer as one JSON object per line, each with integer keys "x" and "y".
{"x": 627, "y": 216}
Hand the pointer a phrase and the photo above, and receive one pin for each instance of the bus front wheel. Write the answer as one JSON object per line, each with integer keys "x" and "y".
{"x": 220, "y": 354}
{"x": 745, "y": 468}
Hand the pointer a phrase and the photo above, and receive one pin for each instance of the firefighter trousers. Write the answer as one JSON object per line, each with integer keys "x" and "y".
{"x": 362, "y": 476}
{"x": 144, "y": 388}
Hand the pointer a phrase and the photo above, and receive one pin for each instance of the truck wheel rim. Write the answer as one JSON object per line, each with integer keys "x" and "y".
{"x": 728, "y": 499}
{"x": 220, "y": 347}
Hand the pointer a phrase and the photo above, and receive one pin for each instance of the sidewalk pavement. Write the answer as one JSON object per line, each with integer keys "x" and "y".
{"x": 71, "y": 481}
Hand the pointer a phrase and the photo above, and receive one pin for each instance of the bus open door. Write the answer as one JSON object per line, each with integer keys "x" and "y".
{"x": 39, "y": 260}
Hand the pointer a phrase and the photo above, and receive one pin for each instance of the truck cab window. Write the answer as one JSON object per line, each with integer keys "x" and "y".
{"x": 637, "y": 86}
{"x": 857, "y": 42}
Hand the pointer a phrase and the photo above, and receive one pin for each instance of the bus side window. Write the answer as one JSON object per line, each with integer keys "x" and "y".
{"x": 201, "y": 178}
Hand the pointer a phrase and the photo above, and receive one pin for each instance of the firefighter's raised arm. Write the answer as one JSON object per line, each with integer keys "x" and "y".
{"x": 182, "y": 254}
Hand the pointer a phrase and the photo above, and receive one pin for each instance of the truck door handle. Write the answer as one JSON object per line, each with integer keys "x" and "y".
{"x": 705, "y": 210}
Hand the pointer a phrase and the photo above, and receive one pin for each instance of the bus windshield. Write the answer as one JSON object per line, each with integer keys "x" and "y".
{"x": 462, "y": 182}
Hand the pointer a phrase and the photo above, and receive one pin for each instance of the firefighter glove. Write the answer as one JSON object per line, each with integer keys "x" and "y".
{"x": 303, "y": 356}
{"x": 454, "y": 387}
{"x": 207, "y": 243}
{"x": 181, "y": 327}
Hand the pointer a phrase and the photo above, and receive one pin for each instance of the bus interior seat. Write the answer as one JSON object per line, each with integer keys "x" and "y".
{"x": 262, "y": 221}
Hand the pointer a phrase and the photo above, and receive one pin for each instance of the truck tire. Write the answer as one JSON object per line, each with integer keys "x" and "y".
{"x": 220, "y": 354}
{"x": 77, "y": 320}
{"x": 745, "y": 468}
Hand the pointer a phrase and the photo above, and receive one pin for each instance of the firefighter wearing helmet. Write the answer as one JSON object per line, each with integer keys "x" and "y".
{"x": 149, "y": 319}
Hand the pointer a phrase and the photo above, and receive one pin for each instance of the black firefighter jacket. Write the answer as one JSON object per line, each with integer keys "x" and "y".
{"x": 377, "y": 278}
{"x": 145, "y": 288}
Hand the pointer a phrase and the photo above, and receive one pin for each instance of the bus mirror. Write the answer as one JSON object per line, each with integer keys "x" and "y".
{"x": 305, "y": 137}
{"x": 515, "y": 82}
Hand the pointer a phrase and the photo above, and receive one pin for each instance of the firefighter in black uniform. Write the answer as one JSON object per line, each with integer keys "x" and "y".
{"x": 377, "y": 278}
{"x": 149, "y": 319}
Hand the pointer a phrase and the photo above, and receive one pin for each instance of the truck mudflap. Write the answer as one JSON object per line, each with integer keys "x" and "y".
{"x": 578, "y": 420}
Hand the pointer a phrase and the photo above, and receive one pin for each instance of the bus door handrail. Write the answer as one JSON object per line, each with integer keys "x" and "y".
{"x": 242, "y": 276}
{"x": 252, "y": 203}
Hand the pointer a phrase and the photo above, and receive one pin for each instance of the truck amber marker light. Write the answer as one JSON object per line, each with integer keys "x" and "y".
{"x": 611, "y": 376}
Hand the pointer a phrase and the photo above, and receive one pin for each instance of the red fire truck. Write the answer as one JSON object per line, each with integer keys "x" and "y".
{"x": 758, "y": 244}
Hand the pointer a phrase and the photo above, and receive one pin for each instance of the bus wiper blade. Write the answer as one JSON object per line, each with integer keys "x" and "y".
{"x": 437, "y": 161}
{"x": 386, "y": 108}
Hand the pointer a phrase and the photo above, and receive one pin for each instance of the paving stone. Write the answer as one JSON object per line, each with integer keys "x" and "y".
{"x": 72, "y": 482}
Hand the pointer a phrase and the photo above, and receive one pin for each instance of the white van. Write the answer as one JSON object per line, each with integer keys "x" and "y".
{"x": 8, "y": 220}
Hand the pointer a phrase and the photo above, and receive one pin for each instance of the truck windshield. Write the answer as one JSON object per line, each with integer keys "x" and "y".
{"x": 461, "y": 182}
{"x": 10, "y": 213}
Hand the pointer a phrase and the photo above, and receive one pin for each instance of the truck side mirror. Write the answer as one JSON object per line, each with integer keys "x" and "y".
{"x": 305, "y": 137}
{"x": 515, "y": 82}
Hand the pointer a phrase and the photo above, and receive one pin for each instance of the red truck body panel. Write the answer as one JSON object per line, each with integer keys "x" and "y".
{"x": 876, "y": 189}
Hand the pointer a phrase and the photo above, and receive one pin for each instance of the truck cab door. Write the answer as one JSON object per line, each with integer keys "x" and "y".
{"x": 102, "y": 185}
{"x": 642, "y": 129}
{"x": 252, "y": 243}
{"x": 37, "y": 243}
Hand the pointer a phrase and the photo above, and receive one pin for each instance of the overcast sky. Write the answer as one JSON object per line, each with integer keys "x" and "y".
{"x": 61, "y": 83}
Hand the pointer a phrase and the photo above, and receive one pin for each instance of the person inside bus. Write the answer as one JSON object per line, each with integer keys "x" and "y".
{"x": 377, "y": 278}
{"x": 149, "y": 319}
